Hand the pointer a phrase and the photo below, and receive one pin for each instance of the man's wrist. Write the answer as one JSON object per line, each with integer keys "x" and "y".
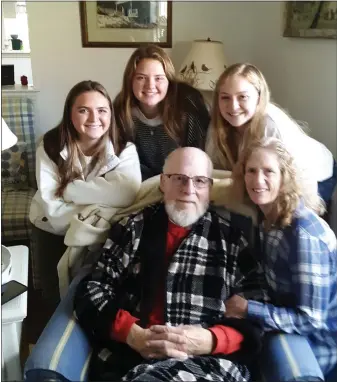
{"x": 135, "y": 336}
{"x": 209, "y": 343}
{"x": 213, "y": 342}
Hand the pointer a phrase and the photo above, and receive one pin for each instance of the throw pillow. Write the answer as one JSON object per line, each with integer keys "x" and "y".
{"x": 14, "y": 168}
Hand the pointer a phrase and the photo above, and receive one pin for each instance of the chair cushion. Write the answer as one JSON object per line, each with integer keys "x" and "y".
{"x": 18, "y": 112}
{"x": 15, "y": 224}
{"x": 288, "y": 358}
{"x": 63, "y": 351}
{"x": 14, "y": 168}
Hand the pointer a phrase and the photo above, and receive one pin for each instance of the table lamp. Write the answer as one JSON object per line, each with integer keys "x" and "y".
{"x": 8, "y": 139}
{"x": 203, "y": 65}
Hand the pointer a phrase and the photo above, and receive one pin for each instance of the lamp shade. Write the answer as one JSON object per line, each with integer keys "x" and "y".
{"x": 8, "y": 139}
{"x": 204, "y": 64}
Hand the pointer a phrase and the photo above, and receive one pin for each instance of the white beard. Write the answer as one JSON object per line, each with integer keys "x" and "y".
{"x": 184, "y": 218}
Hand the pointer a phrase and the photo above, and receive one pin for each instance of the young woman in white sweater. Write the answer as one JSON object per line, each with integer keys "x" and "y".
{"x": 84, "y": 160}
{"x": 242, "y": 112}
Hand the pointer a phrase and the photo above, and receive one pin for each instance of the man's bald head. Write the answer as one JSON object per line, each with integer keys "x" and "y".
{"x": 186, "y": 155}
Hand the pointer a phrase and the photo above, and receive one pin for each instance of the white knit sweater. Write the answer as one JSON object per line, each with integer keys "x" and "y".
{"x": 115, "y": 185}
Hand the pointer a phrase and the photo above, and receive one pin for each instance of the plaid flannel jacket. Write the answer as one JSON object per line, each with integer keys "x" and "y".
{"x": 300, "y": 264}
{"x": 212, "y": 263}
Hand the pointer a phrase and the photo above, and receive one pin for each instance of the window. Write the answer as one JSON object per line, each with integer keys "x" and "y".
{"x": 15, "y": 22}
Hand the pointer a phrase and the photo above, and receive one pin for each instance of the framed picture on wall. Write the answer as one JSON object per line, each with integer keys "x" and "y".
{"x": 126, "y": 24}
{"x": 315, "y": 19}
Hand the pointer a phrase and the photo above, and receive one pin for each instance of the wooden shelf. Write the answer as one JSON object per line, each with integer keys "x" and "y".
{"x": 15, "y": 53}
{"x": 18, "y": 89}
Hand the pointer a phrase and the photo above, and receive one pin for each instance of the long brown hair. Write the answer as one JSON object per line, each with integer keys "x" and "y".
{"x": 291, "y": 190}
{"x": 64, "y": 135}
{"x": 172, "y": 108}
{"x": 223, "y": 134}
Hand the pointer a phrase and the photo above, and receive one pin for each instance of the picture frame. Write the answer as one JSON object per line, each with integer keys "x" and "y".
{"x": 311, "y": 19}
{"x": 125, "y": 24}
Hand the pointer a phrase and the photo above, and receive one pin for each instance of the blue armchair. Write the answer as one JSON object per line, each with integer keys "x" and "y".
{"x": 62, "y": 353}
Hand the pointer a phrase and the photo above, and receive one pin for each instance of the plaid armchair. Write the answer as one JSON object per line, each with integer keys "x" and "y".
{"x": 18, "y": 112}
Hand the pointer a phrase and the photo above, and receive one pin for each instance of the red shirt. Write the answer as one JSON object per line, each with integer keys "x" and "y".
{"x": 228, "y": 339}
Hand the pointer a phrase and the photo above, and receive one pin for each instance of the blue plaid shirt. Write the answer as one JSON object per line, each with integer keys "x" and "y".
{"x": 300, "y": 264}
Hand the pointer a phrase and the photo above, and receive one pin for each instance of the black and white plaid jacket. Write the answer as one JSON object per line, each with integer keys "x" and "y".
{"x": 212, "y": 263}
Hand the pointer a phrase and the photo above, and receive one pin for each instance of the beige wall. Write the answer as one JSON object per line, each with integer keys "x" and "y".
{"x": 300, "y": 72}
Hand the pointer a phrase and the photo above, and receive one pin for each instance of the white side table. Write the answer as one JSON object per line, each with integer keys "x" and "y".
{"x": 13, "y": 313}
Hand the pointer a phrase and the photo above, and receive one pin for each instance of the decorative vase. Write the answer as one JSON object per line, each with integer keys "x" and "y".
{"x": 16, "y": 44}
{"x": 24, "y": 80}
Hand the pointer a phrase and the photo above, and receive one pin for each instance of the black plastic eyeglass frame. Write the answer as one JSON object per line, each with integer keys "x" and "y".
{"x": 185, "y": 177}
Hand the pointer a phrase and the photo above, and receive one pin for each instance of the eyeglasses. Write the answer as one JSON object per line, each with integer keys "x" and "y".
{"x": 199, "y": 182}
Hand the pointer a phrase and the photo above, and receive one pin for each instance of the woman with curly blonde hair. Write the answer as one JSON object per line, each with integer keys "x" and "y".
{"x": 288, "y": 192}
{"x": 159, "y": 112}
{"x": 242, "y": 112}
{"x": 296, "y": 248}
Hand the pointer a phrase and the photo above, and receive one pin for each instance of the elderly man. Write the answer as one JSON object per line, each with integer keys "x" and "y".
{"x": 154, "y": 305}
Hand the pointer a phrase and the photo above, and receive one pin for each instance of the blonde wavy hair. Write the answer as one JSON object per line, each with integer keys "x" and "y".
{"x": 222, "y": 132}
{"x": 290, "y": 191}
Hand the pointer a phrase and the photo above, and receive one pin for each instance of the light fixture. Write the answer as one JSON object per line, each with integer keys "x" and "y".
{"x": 8, "y": 139}
{"x": 6, "y": 265}
{"x": 204, "y": 64}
